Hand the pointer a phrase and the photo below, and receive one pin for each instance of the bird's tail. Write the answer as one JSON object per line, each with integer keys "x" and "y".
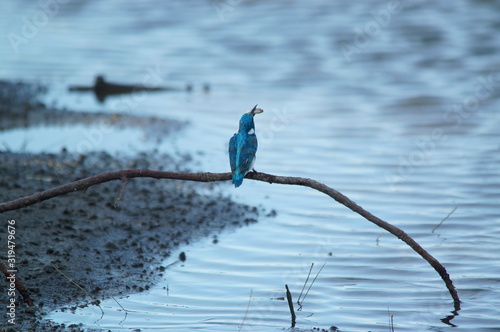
{"x": 238, "y": 179}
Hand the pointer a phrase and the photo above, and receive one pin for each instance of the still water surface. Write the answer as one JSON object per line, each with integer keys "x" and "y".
{"x": 394, "y": 106}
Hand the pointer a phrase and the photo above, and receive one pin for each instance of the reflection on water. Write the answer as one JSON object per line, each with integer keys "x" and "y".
{"x": 103, "y": 89}
{"x": 25, "y": 119}
{"x": 406, "y": 124}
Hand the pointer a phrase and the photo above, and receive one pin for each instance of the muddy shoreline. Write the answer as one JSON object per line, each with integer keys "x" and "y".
{"x": 107, "y": 249}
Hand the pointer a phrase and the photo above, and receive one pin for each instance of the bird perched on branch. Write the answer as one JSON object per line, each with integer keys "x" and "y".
{"x": 243, "y": 146}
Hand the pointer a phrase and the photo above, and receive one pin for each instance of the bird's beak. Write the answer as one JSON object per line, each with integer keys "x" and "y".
{"x": 255, "y": 110}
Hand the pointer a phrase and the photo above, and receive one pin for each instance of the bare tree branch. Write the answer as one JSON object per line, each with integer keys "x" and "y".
{"x": 83, "y": 184}
{"x": 17, "y": 282}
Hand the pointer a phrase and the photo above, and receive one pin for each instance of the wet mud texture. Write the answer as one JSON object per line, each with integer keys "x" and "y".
{"x": 108, "y": 250}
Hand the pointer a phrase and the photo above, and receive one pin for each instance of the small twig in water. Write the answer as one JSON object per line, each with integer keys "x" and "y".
{"x": 125, "y": 310}
{"x": 378, "y": 238}
{"x": 290, "y": 304}
{"x": 391, "y": 320}
{"x": 246, "y": 311}
{"x": 303, "y": 287}
{"x": 442, "y": 221}
{"x": 96, "y": 302}
{"x": 120, "y": 304}
{"x": 312, "y": 283}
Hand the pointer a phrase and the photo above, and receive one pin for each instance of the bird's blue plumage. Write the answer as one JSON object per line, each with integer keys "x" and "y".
{"x": 242, "y": 147}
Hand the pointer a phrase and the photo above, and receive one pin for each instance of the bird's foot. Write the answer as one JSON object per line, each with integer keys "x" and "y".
{"x": 253, "y": 170}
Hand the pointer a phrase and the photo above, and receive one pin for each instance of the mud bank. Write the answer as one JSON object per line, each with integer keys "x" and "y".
{"x": 107, "y": 249}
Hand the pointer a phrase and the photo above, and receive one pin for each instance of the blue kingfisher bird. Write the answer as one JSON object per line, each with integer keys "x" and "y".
{"x": 243, "y": 146}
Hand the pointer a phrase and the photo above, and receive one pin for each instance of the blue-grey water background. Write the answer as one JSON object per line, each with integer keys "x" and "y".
{"x": 393, "y": 103}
